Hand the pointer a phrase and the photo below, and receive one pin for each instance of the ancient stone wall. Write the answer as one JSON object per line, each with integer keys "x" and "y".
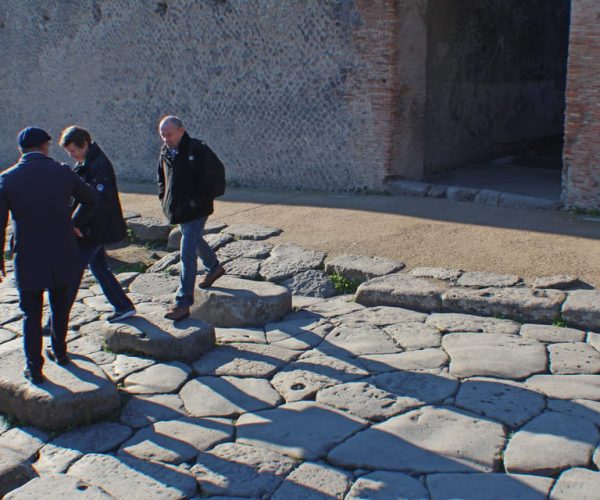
{"x": 292, "y": 94}
{"x": 581, "y": 171}
{"x": 495, "y": 77}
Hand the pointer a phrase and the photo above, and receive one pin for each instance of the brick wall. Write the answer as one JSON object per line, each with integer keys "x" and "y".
{"x": 581, "y": 172}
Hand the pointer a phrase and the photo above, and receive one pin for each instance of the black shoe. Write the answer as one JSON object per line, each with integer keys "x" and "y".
{"x": 35, "y": 376}
{"x": 119, "y": 315}
{"x": 62, "y": 360}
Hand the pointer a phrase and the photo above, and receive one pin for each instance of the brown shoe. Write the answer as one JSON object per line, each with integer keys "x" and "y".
{"x": 177, "y": 313}
{"x": 211, "y": 277}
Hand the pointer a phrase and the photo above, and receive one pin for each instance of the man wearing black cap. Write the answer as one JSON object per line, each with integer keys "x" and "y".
{"x": 37, "y": 191}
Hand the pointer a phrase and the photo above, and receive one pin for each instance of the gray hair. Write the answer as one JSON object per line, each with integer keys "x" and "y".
{"x": 172, "y": 119}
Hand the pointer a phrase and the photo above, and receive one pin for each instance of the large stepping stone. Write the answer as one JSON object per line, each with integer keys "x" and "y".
{"x": 160, "y": 378}
{"x": 573, "y": 357}
{"x": 152, "y": 335}
{"x": 582, "y": 309}
{"x": 551, "y": 443}
{"x": 244, "y": 360}
{"x": 521, "y": 304}
{"x": 552, "y": 334}
{"x": 380, "y": 317}
{"x": 122, "y": 476}
{"x": 15, "y": 471}
{"x": 244, "y": 249}
{"x": 383, "y": 485}
{"x": 154, "y": 284}
{"x": 288, "y": 260}
{"x": 226, "y": 396}
{"x": 455, "y": 322}
{"x": 501, "y": 356}
{"x": 314, "y": 480}
{"x": 566, "y": 386}
{"x": 58, "y": 455}
{"x": 233, "y": 469}
{"x": 504, "y": 400}
{"x": 481, "y": 279}
{"x": 70, "y": 396}
{"x": 233, "y": 302}
{"x": 304, "y": 429}
{"x": 425, "y": 440}
{"x": 577, "y": 484}
{"x": 488, "y": 486}
{"x": 57, "y": 486}
{"x": 140, "y": 411}
{"x": 177, "y": 441}
{"x": 149, "y": 229}
{"x": 251, "y": 231}
{"x": 401, "y": 290}
{"x": 361, "y": 268}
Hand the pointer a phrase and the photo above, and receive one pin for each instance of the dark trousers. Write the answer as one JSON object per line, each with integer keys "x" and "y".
{"x": 31, "y": 303}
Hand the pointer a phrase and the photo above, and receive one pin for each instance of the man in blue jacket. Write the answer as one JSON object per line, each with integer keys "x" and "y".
{"x": 37, "y": 191}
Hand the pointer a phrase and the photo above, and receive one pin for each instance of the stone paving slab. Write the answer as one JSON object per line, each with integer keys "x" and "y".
{"x": 347, "y": 341}
{"x": 140, "y": 411}
{"x": 521, "y": 304}
{"x": 584, "y": 408}
{"x": 314, "y": 480}
{"x": 288, "y": 260}
{"x": 333, "y": 307}
{"x": 438, "y": 273}
{"x": 244, "y": 249}
{"x": 380, "y": 316}
{"x": 57, "y": 486}
{"x": 424, "y": 359}
{"x": 311, "y": 283}
{"x": 15, "y": 471}
{"x": 577, "y": 484}
{"x": 243, "y": 268}
{"x": 361, "y": 268}
{"x": 251, "y": 231}
{"x": 425, "y": 440}
{"x": 149, "y": 228}
{"x": 552, "y": 334}
{"x": 154, "y": 284}
{"x": 414, "y": 336}
{"x": 573, "y": 357}
{"x": 233, "y": 335}
{"x": 456, "y": 322}
{"x": 481, "y": 279}
{"x": 425, "y": 388}
{"x": 582, "y": 309}
{"x": 566, "y": 386}
{"x": 383, "y": 485}
{"x": 159, "y": 378}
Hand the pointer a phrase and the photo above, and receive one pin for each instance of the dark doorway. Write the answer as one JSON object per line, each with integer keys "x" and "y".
{"x": 496, "y": 74}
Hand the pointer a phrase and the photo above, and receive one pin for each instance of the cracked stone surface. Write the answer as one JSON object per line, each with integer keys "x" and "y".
{"x": 361, "y": 267}
{"x": 454, "y": 322}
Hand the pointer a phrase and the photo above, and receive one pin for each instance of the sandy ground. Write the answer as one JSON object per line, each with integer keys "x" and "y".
{"x": 418, "y": 231}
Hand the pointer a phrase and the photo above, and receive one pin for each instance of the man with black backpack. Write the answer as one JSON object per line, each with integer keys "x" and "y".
{"x": 190, "y": 177}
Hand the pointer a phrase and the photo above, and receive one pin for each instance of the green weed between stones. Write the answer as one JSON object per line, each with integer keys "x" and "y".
{"x": 343, "y": 285}
{"x": 558, "y": 321}
{"x": 132, "y": 267}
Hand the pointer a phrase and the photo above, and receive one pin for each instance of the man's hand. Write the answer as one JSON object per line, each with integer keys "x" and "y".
{"x": 77, "y": 232}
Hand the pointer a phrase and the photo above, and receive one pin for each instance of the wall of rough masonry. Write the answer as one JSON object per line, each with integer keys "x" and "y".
{"x": 294, "y": 94}
{"x": 581, "y": 170}
{"x": 495, "y": 77}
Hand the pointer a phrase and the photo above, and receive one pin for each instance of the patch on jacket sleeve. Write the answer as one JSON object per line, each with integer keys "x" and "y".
{"x": 191, "y": 158}
{"x": 100, "y": 187}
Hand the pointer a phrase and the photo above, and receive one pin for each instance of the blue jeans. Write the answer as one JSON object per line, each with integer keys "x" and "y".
{"x": 193, "y": 246}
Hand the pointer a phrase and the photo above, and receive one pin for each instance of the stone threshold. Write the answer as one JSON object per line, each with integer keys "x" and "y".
{"x": 489, "y": 197}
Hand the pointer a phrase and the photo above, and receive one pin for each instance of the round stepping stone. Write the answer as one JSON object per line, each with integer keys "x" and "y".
{"x": 154, "y": 284}
{"x": 177, "y": 441}
{"x": 365, "y": 401}
{"x": 454, "y": 322}
{"x": 551, "y": 443}
{"x": 577, "y": 483}
{"x": 70, "y": 396}
{"x": 152, "y": 335}
{"x": 566, "y": 386}
{"x": 501, "y": 356}
{"x": 149, "y": 228}
{"x": 158, "y": 379}
{"x": 314, "y": 480}
{"x": 401, "y": 290}
{"x": 505, "y": 400}
{"x": 118, "y": 475}
{"x": 141, "y": 411}
{"x": 383, "y": 485}
{"x": 303, "y": 429}
{"x": 573, "y": 357}
{"x": 244, "y": 360}
{"x": 425, "y": 440}
{"x": 251, "y": 231}
{"x": 361, "y": 267}
{"x": 288, "y": 260}
{"x": 233, "y": 469}
{"x": 226, "y": 396}
{"x": 477, "y": 486}
{"x": 57, "y": 486}
{"x": 233, "y": 302}
{"x": 549, "y": 333}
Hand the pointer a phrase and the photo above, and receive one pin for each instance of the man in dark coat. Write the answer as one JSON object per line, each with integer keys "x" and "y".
{"x": 186, "y": 197}
{"x": 106, "y": 225}
{"x": 37, "y": 191}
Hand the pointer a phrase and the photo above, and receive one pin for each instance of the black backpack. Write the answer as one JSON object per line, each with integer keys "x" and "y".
{"x": 216, "y": 173}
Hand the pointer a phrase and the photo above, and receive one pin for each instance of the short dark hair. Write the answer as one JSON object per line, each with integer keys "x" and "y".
{"x": 75, "y": 135}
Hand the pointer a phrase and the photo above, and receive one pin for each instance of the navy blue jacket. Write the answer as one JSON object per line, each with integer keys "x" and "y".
{"x": 38, "y": 191}
{"x": 107, "y": 224}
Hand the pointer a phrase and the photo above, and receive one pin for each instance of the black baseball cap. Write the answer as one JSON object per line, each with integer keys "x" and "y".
{"x": 32, "y": 137}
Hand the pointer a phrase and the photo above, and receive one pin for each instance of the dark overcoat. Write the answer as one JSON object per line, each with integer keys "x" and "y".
{"x": 38, "y": 192}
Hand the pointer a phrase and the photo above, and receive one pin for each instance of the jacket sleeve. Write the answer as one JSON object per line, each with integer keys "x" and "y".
{"x": 103, "y": 180}
{"x": 160, "y": 179}
{"x": 88, "y": 201}
{"x": 3, "y": 220}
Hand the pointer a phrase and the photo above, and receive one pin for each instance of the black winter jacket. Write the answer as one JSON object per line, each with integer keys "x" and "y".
{"x": 107, "y": 224}
{"x": 182, "y": 184}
